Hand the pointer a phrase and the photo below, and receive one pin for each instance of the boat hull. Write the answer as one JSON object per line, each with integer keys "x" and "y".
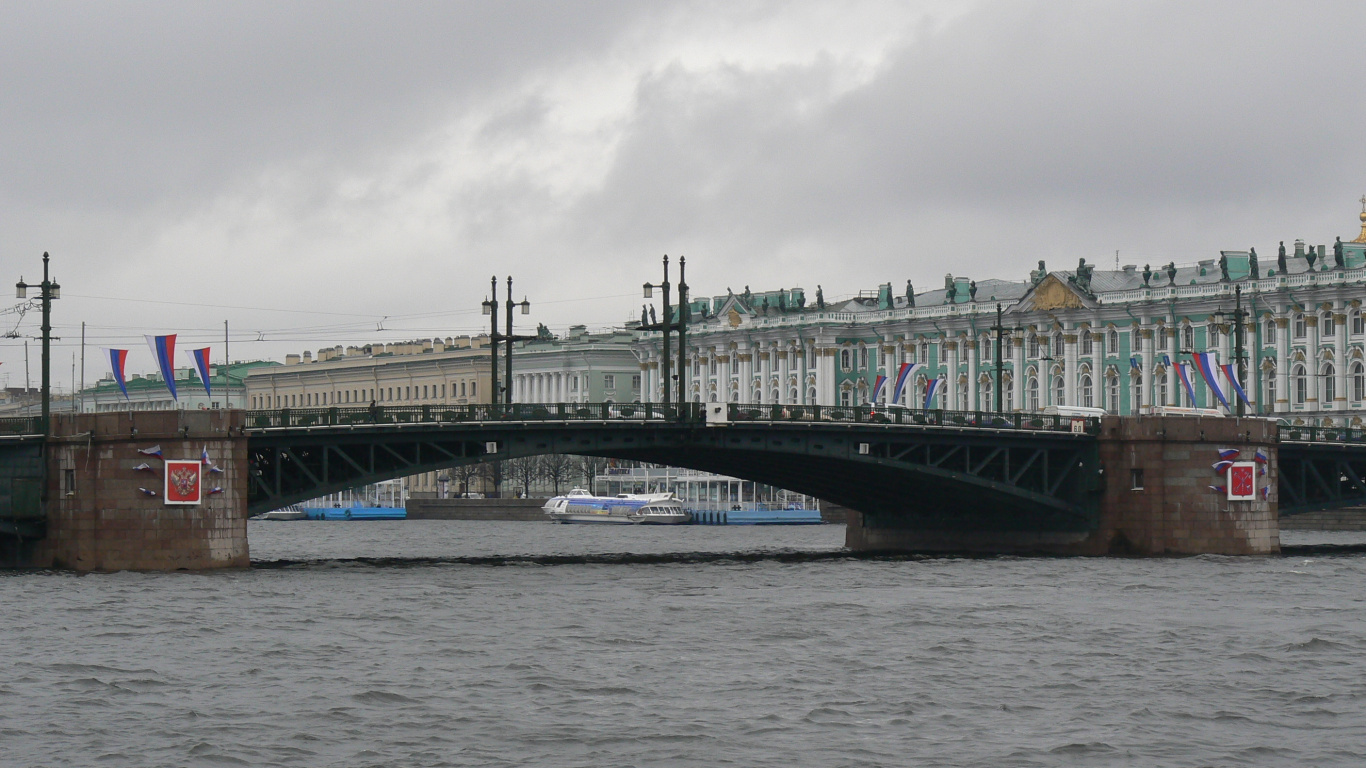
{"x": 357, "y": 513}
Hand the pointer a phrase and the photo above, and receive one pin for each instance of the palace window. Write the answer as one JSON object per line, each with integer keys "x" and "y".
{"x": 1136, "y": 396}
{"x": 988, "y": 404}
{"x": 1033, "y": 345}
{"x": 635, "y": 381}
{"x": 1301, "y": 385}
{"x": 1087, "y": 345}
{"x": 1358, "y": 327}
{"x": 734, "y": 363}
{"x": 1161, "y": 394}
{"x": 792, "y": 396}
{"x": 712, "y": 366}
{"x": 1114, "y": 342}
{"x": 1270, "y": 375}
{"x": 963, "y": 403}
{"x": 609, "y": 381}
{"x": 925, "y": 352}
{"x": 1032, "y": 394}
{"x": 1059, "y": 348}
{"x": 1112, "y": 398}
{"x": 1358, "y": 382}
{"x": 1326, "y": 325}
{"x": 1299, "y": 326}
{"x": 863, "y": 358}
{"x": 1087, "y": 397}
{"x": 1059, "y": 391}
{"x": 811, "y": 395}
{"x": 846, "y": 397}
{"x": 1008, "y": 392}
{"x": 1270, "y": 330}
{"x": 845, "y": 360}
{"x": 1188, "y": 338}
{"x": 1329, "y": 385}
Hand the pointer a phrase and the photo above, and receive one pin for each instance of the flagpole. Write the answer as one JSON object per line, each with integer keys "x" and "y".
{"x": 82, "y": 395}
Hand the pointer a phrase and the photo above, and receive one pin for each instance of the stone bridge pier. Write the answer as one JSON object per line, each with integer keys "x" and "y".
{"x": 1154, "y": 499}
{"x": 100, "y": 519}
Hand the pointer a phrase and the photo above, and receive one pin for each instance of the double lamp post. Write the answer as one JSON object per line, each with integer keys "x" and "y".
{"x": 48, "y": 290}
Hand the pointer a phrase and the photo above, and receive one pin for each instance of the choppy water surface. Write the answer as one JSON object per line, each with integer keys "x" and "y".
{"x": 992, "y": 662}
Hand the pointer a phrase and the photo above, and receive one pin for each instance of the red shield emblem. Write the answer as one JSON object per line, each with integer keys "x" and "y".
{"x": 184, "y": 482}
{"x": 1242, "y": 481}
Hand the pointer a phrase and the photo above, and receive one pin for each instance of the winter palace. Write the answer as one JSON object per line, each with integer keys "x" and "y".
{"x": 1119, "y": 340}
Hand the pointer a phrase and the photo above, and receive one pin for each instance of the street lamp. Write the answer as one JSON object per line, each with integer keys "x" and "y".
{"x": 48, "y": 290}
{"x": 509, "y": 337}
{"x": 679, "y": 324}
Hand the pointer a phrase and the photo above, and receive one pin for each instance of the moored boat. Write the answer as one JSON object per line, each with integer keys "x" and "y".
{"x": 580, "y": 506}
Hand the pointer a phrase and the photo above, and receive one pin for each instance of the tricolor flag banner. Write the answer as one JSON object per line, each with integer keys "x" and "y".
{"x": 903, "y": 376}
{"x": 1260, "y": 456}
{"x": 1220, "y": 467}
{"x": 1229, "y": 454}
{"x": 204, "y": 456}
{"x": 1242, "y": 481}
{"x": 201, "y": 364}
{"x": 1218, "y": 488}
{"x": 1233, "y": 381}
{"x": 163, "y": 349}
{"x": 1133, "y": 363}
{"x": 118, "y": 360}
{"x": 153, "y": 451}
{"x": 931, "y": 389}
{"x": 1208, "y": 366}
{"x": 1185, "y": 381}
{"x": 877, "y": 387}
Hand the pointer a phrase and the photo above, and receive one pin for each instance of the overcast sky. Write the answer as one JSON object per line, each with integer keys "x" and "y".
{"x": 305, "y": 170}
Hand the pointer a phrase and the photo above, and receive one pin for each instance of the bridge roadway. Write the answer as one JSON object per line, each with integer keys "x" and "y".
{"x": 946, "y": 469}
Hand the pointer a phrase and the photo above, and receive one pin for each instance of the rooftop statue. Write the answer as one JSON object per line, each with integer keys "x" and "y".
{"x": 910, "y": 294}
{"x": 1337, "y": 254}
{"x": 1147, "y": 275}
{"x": 782, "y": 300}
{"x": 1310, "y": 255}
{"x": 543, "y": 332}
{"x": 801, "y": 301}
{"x": 1280, "y": 259}
{"x": 652, "y": 315}
{"x": 820, "y": 298}
{"x": 644, "y": 315}
{"x": 1253, "y": 265}
{"x": 972, "y": 290}
{"x": 1082, "y": 278}
{"x": 1223, "y": 267}
{"x": 1171, "y": 272}
{"x": 1036, "y": 276}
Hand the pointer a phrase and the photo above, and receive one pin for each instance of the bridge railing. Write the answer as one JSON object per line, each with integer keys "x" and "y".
{"x": 867, "y": 414}
{"x": 23, "y": 425}
{"x": 1322, "y": 435}
{"x": 483, "y": 412}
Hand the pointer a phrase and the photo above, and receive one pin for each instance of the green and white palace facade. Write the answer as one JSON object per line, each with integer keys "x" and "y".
{"x": 1083, "y": 337}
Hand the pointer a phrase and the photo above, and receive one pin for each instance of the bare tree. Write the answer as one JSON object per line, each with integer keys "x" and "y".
{"x": 556, "y": 467}
{"x": 590, "y": 467}
{"x": 524, "y": 472}
{"x": 465, "y": 475}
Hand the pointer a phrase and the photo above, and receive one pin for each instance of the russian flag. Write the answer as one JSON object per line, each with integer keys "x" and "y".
{"x": 201, "y": 364}
{"x": 877, "y": 387}
{"x": 1233, "y": 381}
{"x": 1229, "y": 454}
{"x": 163, "y": 349}
{"x": 931, "y": 389}
{"x": 1260, "y": 456}
{"x": 1206, "y": 364}
{"x": 1185, "y": 381}
{"x": 1221, "y": 467}
{"x": 902, "y": 377}
{"x": 118, "y": 360}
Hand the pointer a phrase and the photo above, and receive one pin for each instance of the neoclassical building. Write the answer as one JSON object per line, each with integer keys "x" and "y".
{"x": 580, "y": 367}
{"x": 1083, "y": 337}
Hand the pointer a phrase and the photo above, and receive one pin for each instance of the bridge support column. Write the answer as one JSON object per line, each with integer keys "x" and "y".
{"x": 98, "y": 519}
{"x": 1154, "y": 500}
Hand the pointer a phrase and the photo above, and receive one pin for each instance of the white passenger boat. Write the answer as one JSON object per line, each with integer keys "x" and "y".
{"x": 291, "y": 512}
{"x": 580, "y": 506}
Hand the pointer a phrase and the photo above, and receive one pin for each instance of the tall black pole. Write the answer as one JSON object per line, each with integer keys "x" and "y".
{"x": 47, "y": 348}
{"x": 664, "y": 358}
{"x": 682, "y": 331}
{"x": 1238, "y": 342}
{"x": 507, "y": 362}
{"x": 493, "y": 340}
{"x": 1000, "y": 366}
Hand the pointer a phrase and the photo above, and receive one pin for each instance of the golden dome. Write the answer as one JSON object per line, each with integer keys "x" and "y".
{"x": 1362, "y": 237}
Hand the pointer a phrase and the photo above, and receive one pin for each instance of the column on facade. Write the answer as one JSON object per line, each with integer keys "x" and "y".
{"x": 799, "y": 368}
{"x": 890, "y": 365}
{"x": 1149, "y": 353}
{"x": 951, "y": 376}
{"x": 1017, "y": 376}
{"x": 1282, "y": 403}
{"x": 1174, "y": 354}
{"x": 1311, "y": 361}
{"x": 974, "y": 393}
{"x": 1339, "y": 363}
{"x": 784, "y": 373}
{"x": 559, "y": 388}
{"x": 746, "y": 357}
{"x": 765, "y": 372}
{"x": 1069, "y": 368}
{"x": 825, "y": 375}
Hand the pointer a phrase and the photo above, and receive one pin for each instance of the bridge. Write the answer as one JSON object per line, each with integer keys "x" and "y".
{"x": 936, "y": 480}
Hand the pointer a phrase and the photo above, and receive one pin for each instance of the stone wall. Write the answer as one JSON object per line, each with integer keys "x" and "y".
{"x": 1345, "y": 519}
{"x": 99, "y": 520}
{"x": 476, "y": 509}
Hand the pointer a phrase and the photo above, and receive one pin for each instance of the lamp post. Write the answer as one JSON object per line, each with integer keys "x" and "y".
{"x": 667, "y": 324}
{"x": 509, "y": 338}
{"x": 48, "y": 290}
{"x": 491, "y": 308}
{"x": 1000, "y": 330}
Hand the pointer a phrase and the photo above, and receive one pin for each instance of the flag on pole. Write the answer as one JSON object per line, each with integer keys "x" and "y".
{"x": 877, "y": 386}
{"x": 1133, "y": 363}
{"x": 201, "y": 364}
{"x": 931, "y": 389}
{"x": 902, "y": 377}
{"x": 118, "y": 359}
{"x": 153, "y": 451}
{"x": 163, "y": 349}
{"x": 1229, "y": 454}
{"x": 1222, "y": 466}
{"x": 1207, "y": 364}
{"x": 1260, "y": 456}
{"x": 1185, "y": 380}
{"x": 1233, "y": 381}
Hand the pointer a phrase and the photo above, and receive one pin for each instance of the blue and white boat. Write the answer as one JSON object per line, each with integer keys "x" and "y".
{"x": 713, "y": 499}
{"x": 580, "y": 506}
{"x": 356, "y": 513}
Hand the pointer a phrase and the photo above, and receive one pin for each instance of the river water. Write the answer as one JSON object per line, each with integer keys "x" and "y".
{"x": 428, "y": 659}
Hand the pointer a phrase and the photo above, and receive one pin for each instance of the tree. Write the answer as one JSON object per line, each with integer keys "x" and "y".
{"x": 465, "y": 474}
{"x": 524, "y": 472}
{"x": 590, "y": 467}
{"x": 556, "y": 467}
